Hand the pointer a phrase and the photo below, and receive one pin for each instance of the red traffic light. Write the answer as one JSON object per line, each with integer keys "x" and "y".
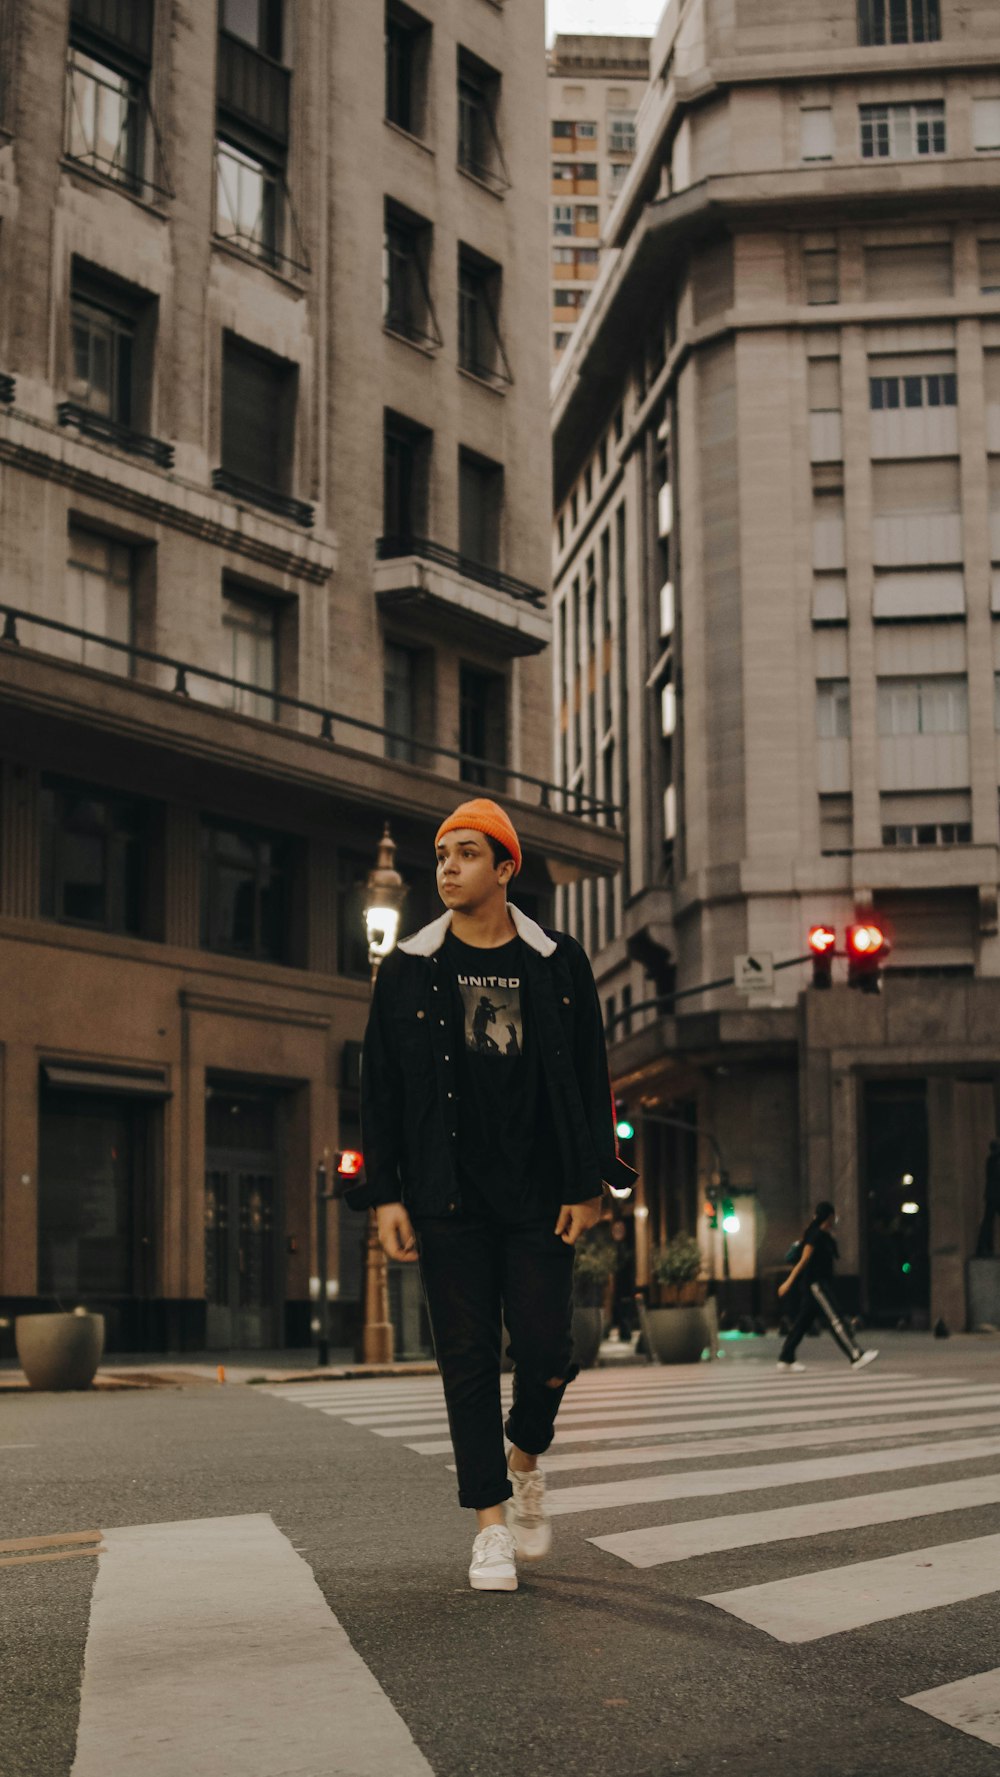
{"x": 866, "y": 941}
{"x": 350, "y": 1163}
{"x": 822, "y": 940}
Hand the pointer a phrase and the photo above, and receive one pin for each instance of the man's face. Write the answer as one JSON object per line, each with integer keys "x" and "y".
{"x": 467, "y": 878}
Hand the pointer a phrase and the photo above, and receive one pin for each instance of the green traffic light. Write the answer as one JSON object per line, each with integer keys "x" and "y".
{"x": 624, "y": 1129}
{"x": 907, "y": 1268}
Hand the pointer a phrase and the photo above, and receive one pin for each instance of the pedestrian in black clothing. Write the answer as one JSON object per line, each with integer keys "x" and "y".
{"x": 488, "y": 1163}
{"x": 814, "y": 1266}
{"x": 991, "y": 1208}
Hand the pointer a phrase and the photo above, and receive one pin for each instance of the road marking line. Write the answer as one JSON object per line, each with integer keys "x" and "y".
{"x": 813, "y": 1605}
{"x": 596, "y": 1496}
{"x": 972, "y": 1705}
{"x": 212, "y": 1649}
{"x": 749, "y": 1530}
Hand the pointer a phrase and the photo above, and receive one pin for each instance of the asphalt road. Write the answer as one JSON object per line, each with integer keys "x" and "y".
{"x": 213, "y": 1635}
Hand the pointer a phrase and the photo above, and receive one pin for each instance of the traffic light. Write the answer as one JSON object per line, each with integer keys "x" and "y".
{"x": 624, "y": 1133}
{"x": 348, "y": 1170}
{"x": 867, "y": 946}
{"x": 822, "y": 944}
{"x": 730, "y": 1220}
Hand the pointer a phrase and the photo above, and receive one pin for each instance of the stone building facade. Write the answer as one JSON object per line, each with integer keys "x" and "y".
{"x": 595, "y": 88}
{"x": 275, "y": 554}
{"x": 777, "y": 460}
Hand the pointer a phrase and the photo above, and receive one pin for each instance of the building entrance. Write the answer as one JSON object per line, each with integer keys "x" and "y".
{"x": 244, "y": 1306}
{"x": 896, "y": 1183}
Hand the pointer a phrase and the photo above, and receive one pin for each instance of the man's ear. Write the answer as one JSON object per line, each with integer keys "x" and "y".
{"x": 505, "y": 871}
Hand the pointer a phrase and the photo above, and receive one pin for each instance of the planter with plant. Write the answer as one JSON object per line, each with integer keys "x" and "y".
{"x": 596, "y": 1262}
{"x": 681, "y": 1326}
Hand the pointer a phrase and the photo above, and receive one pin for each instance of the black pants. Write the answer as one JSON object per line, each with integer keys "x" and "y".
{"x": 984, "y": 1242}
{"x": 818, "y": 1304}
{"x": 472, "y": 1269}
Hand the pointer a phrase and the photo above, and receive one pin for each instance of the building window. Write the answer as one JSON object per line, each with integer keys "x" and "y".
{"x": 256, "y": 22}
{"x": 562, "y": 219}
{"x": 93, "y": 846}
{"x": 912, "y": 269}
{"x": 100, "y": 591}
{"x": 253, "y": 208}
{"x": 480, "y": 346}
{"x": 563, "y": 130}
{"x": 621, "y": 133}
{"x": 901, "y": 132}
{"x": 923, "y": 706}
{"x": 821, "y": 274}
{"x": 479, "y": 150}
{"x": 400, "y": 702}
{"x": 816, "y": 125}
{"x": 480, "y": 509}
{"x": 937, "y": 390}
{"x": 928, "y": 833}
{"x": 109, "y": 123}
{"x": 248, "y": 202}
{"x": 407, "y": 58}
{"x": 258, "y": 415}
{"x": 406, "y": 477}
{"x": 986, "y": 125}
{"x": 618, "y": 172}
{"x": 586, "y": 216}
{"x": 482, "y": 726}
{"x": 899, "y": 21}
{"x": 836, "y": 826}
{"x": 406, "y": 296}
{"x": 586, "y": 132}
{"x": 102, "y": 360}
{"x": 989, "y": 267}
{"x": 250, "y": 630}
{"x": 245, "y": 891}
{"x": 833, "y": 709}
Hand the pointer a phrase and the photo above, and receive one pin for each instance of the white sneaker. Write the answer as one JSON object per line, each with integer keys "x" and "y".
{"x": 867, "y": 1357}
{"x": 492, "y": 1568}
{"x": 527, "y": 1515}
{"x": 788, "y": 1368}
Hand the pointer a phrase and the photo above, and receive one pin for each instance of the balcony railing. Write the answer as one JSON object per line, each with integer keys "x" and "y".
{"x": 333, "y": 726}
{"x": 392, "y": 548}
{"x": 268, "y": 497}
{"x": 6, "y": 390}
{"x": 252, "y": 87}
{"x": 97, "y": 425}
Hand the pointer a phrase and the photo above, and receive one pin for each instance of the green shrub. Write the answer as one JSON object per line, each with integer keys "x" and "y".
{"x": 677, "y": 1263}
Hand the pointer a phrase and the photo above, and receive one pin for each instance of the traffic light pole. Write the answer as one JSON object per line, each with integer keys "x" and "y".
{"x": 323, "y": 1197}
{"x": 666, "y": 1001}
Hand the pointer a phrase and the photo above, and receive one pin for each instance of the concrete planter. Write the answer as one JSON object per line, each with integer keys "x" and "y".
{"x": 676, "y": 1335}
{"x": 59, "y": 1351}
{"x": 588, "y": 1330}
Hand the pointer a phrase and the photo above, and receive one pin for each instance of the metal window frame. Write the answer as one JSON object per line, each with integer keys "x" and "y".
{"x": 497, "y": 181}
{"x": 419, "y": 233}
{"x": 287, "y": 222}
{"x": 482, "y": 271}
{"x": 133, "y": 181}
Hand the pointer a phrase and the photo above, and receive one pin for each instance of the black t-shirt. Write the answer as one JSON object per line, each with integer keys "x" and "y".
{"x": 824, "y": 1254}
{"x": 507, "y": 1161}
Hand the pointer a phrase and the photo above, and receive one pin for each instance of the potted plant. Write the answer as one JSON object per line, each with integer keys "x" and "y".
{"x": 59, "y": 1351}
{"x": 681, "y": 1326}
{"x": 596, "y": 1262}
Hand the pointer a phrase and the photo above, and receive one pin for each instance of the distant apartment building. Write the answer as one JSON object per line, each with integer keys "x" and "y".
{"x": 274, "y": 569}
{"x": 595, "y": 86}
{"x": 777, "y": 607}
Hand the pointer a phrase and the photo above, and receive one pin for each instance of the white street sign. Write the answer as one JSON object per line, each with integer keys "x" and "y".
{"x": 755, "y": 973}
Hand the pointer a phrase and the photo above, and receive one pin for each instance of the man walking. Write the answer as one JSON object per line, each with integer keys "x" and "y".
{"x": 991, "y": 1204}
{"x": 487, "y": 1163}
{"x": 815, "y": 1267}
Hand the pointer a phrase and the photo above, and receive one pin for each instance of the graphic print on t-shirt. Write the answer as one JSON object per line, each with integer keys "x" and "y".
{"x": 492, "y": 1006}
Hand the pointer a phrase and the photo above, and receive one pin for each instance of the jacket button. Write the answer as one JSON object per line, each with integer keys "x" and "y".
{"x": 421, "y": 1014}
{"x": 440, "y": 1021}
{"x": 434, "y": 987}
{"x": 451, "y": 1207}
{"x": 447, "y": 1058}
{"x": 451, "y": 1095}
{"x": 565, "y": 999}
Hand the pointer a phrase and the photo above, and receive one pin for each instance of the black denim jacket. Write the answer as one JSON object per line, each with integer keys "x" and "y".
{"x": 409, "y": 1075}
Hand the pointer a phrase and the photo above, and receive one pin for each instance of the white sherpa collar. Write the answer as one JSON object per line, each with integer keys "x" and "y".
{"x": 430, "y": 938}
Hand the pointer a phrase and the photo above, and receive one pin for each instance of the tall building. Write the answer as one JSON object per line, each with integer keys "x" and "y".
{"x": 595, "y": 87}
{"x": 777, "y": 465}
{"x": 274, "y": 569}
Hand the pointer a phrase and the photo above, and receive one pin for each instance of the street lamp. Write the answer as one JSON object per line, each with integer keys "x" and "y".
{"x": 385, "y": 892}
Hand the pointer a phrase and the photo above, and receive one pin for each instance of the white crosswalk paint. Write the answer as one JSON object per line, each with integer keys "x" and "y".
{"x": 813, "y": 1605}
{"x": 598, "y": 1496}
{"x": 211, "y": 1649}
{"x": 970, "y": 1704}
{"x": 749, "y": 1530}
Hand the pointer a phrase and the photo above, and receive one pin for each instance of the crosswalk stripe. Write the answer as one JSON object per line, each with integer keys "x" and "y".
{"x": 610, "y": 1429}
{"x": 559, "y": 1462}
{"x": 662, "y": 1543}
{"x": 583, "y": 1411}
{"x": 970, "y": 1704}
{"x": 598, "y": 1496}
{"x": 813, "y": 1605}
{"x": 173, "y": 1681}
{"x": 596, "y": 1385}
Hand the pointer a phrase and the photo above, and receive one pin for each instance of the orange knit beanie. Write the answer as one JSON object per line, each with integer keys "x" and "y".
{"x": 484, "y": 816}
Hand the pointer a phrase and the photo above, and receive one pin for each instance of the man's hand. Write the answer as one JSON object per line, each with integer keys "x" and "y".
{"x": 575, "y": 1218}
{"x": 395, "y": 1232}
{"x": 783, "y": 1288}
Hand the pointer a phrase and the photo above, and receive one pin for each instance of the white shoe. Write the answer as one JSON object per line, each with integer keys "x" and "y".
{"x": 492, "y": 1568}
{"x": 788, "y": 1368}
{"x": 527, "y": 1515}
{"x": 867, "y": 1357}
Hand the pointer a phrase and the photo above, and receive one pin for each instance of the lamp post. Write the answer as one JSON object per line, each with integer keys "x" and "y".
{"x": 385, "y": 892}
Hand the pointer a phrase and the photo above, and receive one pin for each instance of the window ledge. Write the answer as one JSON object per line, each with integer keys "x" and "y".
{"x": 426, "y": 347}
{"x": 233, "y": 251}
{"x": 408, "y": 136}
{"x": 481, "y": 183}
{"x": 483, "y": 382}
{"x": 120, "y": 437}
{"x": 272, "y": 500}
{"x": 91, "y": 176}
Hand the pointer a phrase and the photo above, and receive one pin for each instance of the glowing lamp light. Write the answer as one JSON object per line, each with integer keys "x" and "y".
{"x": 641, "y": 1212}
{"x": 350, "y": 1163}
{"x": 624, "y": 1129}
{"x": 910, "y": 1208}
{"x": 382, "y": 924}
{"x": 907, "y": 1178}
{"x": 731, "y": 1224}
{"x": 866, "y": 940}
{"x": 822, "y": 939}
{"x": 907, "y": 1268}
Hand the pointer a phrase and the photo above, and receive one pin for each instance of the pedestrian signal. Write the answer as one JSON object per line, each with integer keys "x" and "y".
{"x": 867, "y": 946}
{"x": 822, "y": 944}
{"x": 349, "y": 1163}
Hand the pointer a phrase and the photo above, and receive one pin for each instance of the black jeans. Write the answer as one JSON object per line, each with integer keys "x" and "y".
{"x": 473, "y": 1269}
{"x": 818, "y": 1303}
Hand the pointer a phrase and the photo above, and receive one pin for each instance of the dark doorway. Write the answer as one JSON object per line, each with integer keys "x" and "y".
{"x": 895, "y": 1155}
{"x": 243, "y": 1219}
{"x": 95, "y": 1210}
